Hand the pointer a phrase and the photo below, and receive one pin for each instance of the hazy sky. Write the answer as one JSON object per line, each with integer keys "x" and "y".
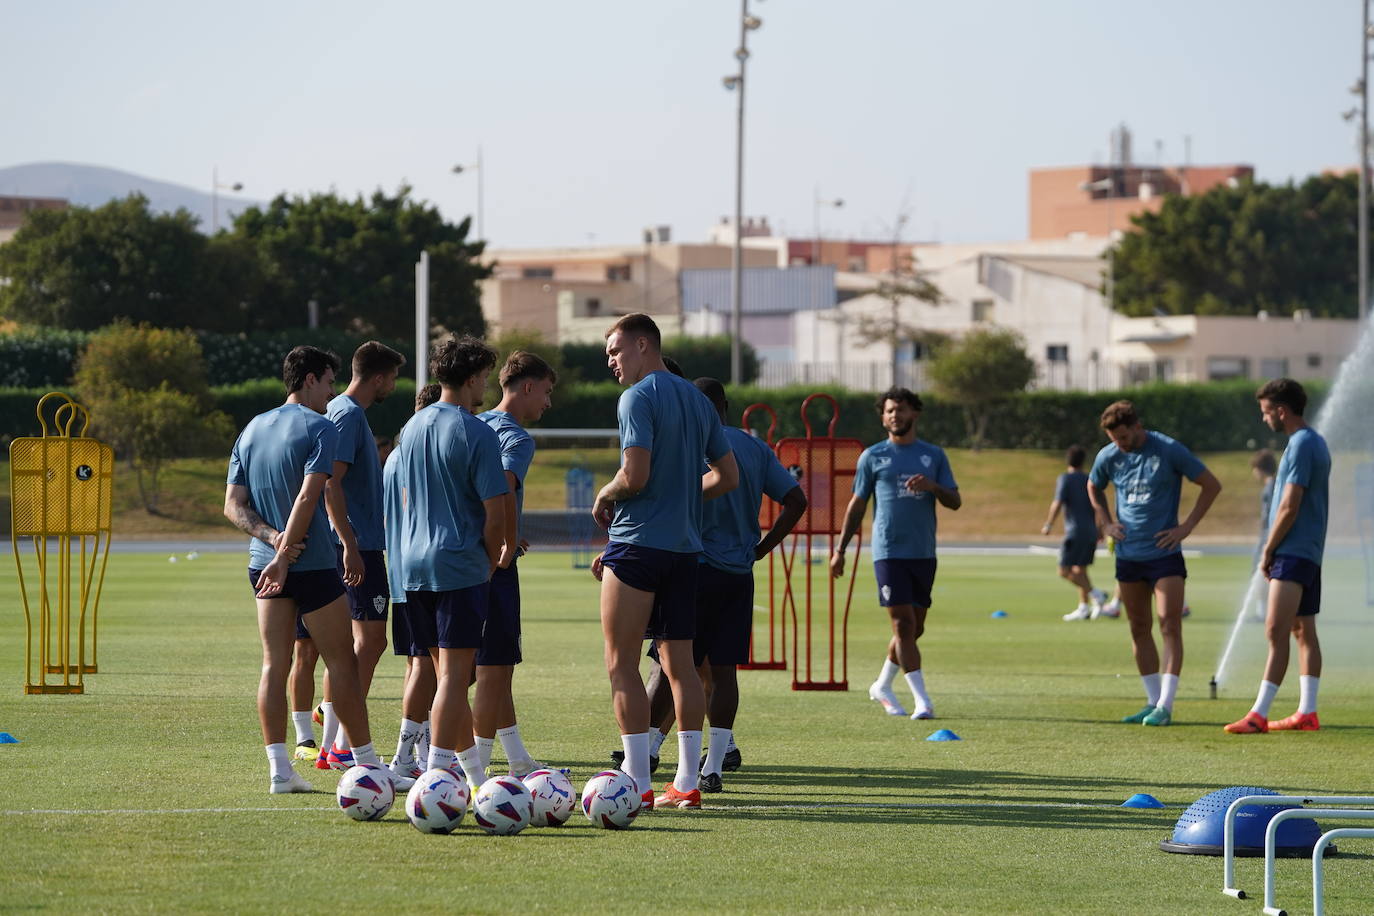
{"x": 600, "y": 117}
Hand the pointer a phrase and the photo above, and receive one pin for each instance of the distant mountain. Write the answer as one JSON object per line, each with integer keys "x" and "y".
{"x": 93, "y": 185}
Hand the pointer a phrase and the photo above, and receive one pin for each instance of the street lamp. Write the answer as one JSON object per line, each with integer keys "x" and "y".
{"x": 735, "y": 83}
{"x": 215, "y": 187}
{"x": 475, "y": 167}
{"x": 816, "y": 203}
{"x": 1108, "y": 185}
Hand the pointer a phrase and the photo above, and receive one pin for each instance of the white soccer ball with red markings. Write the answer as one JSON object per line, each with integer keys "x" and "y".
{"x": 365, "y": 792}
{"x": 553, "y": 796}
{"x": 502, "y": 806}
{"x": 437, "y": 801}
{"x": 609, "y": 800}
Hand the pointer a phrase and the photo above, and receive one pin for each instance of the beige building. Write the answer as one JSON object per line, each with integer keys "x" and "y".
{"x": 573, "y": 294}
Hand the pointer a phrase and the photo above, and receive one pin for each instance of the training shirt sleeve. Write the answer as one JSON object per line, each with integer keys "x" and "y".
{"x": 324, "y": 450}
{"x": 635, "y": 415}
{"x": 716, "y": 446}
{"x": 944, "y": 475}
{"x": 237, "y": 476}
{"x": 1061, "y": 488}
{"x": 1185, "y": 462}
{"x": 348, "y": 427}
{"x": 1098, "y": 475}
{"x": 1300, "y": 467}
{"x": 863, "y": 476}
{"x": 517, "y": 452}
{"x": 777, "y": 483}
{"x": 487, "y": 475}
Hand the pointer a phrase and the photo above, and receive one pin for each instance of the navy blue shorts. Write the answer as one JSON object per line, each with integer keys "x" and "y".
{"x": 670, "y": 576}
{"x": 1305, "y": 573}
{"x": 368, "y": 600}
{"x": 311, "y": 589}
{"x": 448, "y": 620}
{"x": 725, "y": 616}
{"x": 1077, "y": 550}
{"x": 403, "y": 640}
{"x": 1151, "y": 571}
{"x": 904, "y": 581}
{"x": 501, "y": 632}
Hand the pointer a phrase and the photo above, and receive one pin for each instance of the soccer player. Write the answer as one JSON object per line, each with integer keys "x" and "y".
{"x": 450, "y": 537}
{"x": 1291, "y": 559}
{"x": 1080, "y": 534}
{"x": 725, "y": 576}
{"x": 353, "y": 499}
{"x": 1147, "y": 469}
{"x": 418, "y": 684}
{"x": 277, "y": 475}
{"x": 652, "y": 508}
{"x": 526, "y": 385}
{"x": 908, "y": 476}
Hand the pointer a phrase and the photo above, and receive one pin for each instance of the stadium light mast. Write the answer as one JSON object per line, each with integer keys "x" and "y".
{"x": 215, "y": 187}
{"x": 481, "y": 180}
{"x": 735, "y": 82}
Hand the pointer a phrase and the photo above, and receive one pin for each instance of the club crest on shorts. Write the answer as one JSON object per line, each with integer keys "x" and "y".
{"x": 379, "y": 603}
{"x": 887, "y": 592}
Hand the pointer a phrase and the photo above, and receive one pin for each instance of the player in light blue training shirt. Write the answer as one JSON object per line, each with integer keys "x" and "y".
{"x": 648, "y": 571}
{"x": 450, "y": 537}
{"x": 909, "y": 477}
{"x": 1291, "y": 559}
{"x": 1147, "y": 470}
{"x": 277, "y": 474}
{"x": 526, "y": 385}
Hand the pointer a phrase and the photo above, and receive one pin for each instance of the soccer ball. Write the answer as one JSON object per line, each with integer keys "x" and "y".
{"x": 365, "y": 793}
{"x": 437, "y": 801}
{"x": 553, "y": 797}
{"x": 609, "y": 800}
{"x": 502, "y": 806}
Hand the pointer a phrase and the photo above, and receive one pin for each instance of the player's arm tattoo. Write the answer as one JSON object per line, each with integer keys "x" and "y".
{"x": 239, "y": 510}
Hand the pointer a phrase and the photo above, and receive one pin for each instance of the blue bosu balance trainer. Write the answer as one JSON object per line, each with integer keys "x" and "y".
{"x": 1199, "y": 830}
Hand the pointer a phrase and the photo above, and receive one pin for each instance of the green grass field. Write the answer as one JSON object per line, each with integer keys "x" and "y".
{"x": 149, "y": 792}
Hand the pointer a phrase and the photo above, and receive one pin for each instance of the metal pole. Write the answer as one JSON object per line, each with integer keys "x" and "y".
{"x": 736, "y": 257}
{"x": 422, "y": 321}
{"x": 1364, "y": 165}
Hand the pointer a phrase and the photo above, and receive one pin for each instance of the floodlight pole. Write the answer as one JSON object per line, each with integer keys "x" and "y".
{"x": 421, "y": 321}
{"x": 1363, "y": 311}
{"x": 736, "y": 82}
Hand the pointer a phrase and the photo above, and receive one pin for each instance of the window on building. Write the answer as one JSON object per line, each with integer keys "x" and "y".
{"x": 1057, "y": 353}
{"x": 1224, "y": 367}
{"x": 1273, "y": 367}
{"x": 537, "y": 273}
{"x": 1314, "y": 360}
{"x": 593, "y": 307}
{"x": 982, "y": 309}
{"x": 618, "y": 272}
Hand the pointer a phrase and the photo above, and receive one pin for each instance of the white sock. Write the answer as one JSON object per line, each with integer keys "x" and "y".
{"x": 688, "y": 754}
{"x": 441, "y": 759}
{"x": 715, "y": 755}
{"x": 890, "y": 671}
{"x": 636, "y": 763}
{"x": 1151, "y": 682}
{"x": 331, "y": 725}
{"x": 341, "y": 740}
{"x": 731, "y": 745}
{"x": 917, "y": 682}
{"x": 1307, "y": 693}
{"x": 484, "y": 746}
{"x": 655, "y": 741}
{"x": 1168, "y": 689}
{"x": 470, "y": 760}
{"x": 278, "y": 761}
{"x": 422, "y": 743}
{"x": 512, "y": 745}
{"x": 405, "y": 744}
{"x": 366, "y": 755}
{"x": 1266, "y": 698}
{"x": 304, "y": 730}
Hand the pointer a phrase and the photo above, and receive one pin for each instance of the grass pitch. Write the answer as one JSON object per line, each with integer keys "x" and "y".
{"x": 149, "y": 792}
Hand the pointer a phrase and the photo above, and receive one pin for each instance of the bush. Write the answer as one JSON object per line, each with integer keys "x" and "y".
{"x": 698, "y": 356}
{"x": 40, "y": 357}
{"x": 234, "y": 358}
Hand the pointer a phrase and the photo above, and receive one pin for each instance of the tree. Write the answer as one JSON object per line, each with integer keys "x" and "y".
{"x": 82, "y": 268}
{"x": 900, "y": 284}
{"x": 356, "y": 260}
{"x": 1237, "y": 251}
{"x": 147, "y": 393}
{"x": 984, "y": 367}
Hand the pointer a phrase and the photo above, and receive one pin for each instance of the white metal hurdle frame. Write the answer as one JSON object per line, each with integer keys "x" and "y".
{"x": 1271, "y": 833}
{"x": 1318, "y": 885}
